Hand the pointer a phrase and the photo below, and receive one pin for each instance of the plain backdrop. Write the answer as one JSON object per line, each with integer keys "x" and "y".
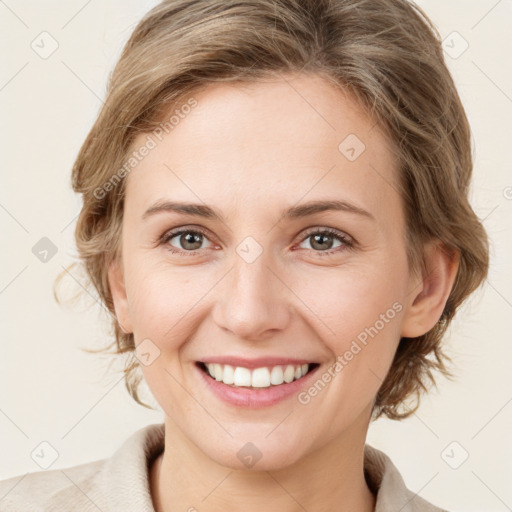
{"x": 455, "y": 451}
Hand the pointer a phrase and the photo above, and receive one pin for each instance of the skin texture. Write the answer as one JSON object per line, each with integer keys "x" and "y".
{"x": 250, "y": 151}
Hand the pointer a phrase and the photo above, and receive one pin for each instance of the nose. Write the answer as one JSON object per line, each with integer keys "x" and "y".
{"x": 253, "y": 300}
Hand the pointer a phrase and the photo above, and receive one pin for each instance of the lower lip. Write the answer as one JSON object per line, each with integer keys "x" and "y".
{"x": 255, "y": 398}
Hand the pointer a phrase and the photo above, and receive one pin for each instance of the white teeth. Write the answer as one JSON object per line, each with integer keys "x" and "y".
{"x": 229, "y": 374}
{"x": 276, "y": 377}
{"x": 217, "y": 371}
{"x": 289, "y": 373}
{"x": 262, "y": 377}
{"x": 242, "y": 376}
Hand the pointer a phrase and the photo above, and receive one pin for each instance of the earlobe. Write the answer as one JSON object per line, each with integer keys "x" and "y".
{"x": 119, "y": 297}
{"x": 428, "y": 298}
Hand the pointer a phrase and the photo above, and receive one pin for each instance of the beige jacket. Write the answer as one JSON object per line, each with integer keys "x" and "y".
{"x": 121, "y": 483}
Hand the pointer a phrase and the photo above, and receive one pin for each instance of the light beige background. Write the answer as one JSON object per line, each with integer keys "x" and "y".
{"x": 51, "y": 391}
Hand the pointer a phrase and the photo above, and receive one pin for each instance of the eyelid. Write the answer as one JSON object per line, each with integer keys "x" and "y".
{"x": 171, "y": 233}
{"x": 344, "y": 237}
{"x": 186, "y": 227}
{"x": 347, "y": 240}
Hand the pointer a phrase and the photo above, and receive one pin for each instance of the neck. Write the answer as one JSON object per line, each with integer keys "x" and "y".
{"x": 330, "y": 478}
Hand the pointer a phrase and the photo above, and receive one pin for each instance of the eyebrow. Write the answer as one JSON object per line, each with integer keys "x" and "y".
{"x": 295, "y": 212}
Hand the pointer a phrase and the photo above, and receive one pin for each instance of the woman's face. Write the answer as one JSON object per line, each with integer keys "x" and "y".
{"x": 257, "y": 275}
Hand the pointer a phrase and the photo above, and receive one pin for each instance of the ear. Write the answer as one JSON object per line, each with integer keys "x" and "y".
{"x": 427, "y": 298}
{"x": 118, "y": 290}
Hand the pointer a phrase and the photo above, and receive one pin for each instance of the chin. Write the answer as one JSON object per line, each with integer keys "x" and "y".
{"x": 257, "y": 453}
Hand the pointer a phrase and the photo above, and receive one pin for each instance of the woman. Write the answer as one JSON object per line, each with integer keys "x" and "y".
{"x": 275, "y": 212}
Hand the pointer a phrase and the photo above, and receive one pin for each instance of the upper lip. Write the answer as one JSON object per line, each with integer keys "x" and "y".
{"x": 256, "y": 362}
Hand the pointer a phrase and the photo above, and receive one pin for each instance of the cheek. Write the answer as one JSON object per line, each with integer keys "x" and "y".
{"x": 346, "y": 300}
{"x": 358, "y": 317}
{"x": 162, "y": 297}
{"x": 162, "y": 307}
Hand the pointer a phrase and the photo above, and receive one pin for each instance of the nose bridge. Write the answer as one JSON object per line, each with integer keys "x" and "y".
{"x": 253, "y": 300}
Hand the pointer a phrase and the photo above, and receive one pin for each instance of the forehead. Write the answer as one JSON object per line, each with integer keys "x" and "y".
{"x": 270, "y": 142}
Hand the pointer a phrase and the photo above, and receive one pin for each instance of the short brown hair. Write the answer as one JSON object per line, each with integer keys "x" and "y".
{"x": 388, "y": 54}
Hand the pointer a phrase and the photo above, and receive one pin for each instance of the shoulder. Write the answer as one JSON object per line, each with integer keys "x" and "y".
{"x": 67, "y": 489}
{"x": 389, "y": 487}
{"x": 119, "y": 482}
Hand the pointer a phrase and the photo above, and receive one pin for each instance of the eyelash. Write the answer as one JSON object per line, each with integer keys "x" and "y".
{"x": 348, "y": 242}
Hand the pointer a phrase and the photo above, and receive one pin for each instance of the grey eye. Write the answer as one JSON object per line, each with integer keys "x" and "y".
{"x": 323, "y": 241}
{"x": 187, "y": 240}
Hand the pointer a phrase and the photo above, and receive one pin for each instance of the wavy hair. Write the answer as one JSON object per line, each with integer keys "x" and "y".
{"x": 388, "y": 54}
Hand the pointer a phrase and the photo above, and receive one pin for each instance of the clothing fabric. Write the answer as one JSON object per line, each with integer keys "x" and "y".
{"x": 120, "y": 483}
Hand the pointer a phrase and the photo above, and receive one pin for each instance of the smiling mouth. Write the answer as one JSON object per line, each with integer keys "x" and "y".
{"x": 256, "y": 378}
